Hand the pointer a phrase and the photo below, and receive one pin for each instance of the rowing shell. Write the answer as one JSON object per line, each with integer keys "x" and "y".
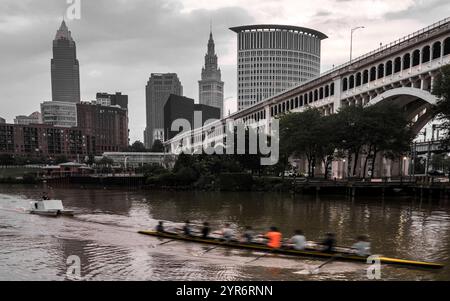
{"x": 304, "y": 253}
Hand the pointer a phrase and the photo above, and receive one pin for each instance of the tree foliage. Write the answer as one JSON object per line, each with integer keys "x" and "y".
{"x": 441, "y": 89}
{"x": 137, "y": 147}
{"x": 352, "y": 132}
{"x": 157, "y": 147}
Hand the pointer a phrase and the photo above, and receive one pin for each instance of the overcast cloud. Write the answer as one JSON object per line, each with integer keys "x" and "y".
{"x": 120, "y": 42}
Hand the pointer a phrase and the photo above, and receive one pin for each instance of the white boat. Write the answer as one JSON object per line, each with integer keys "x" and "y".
{"x": 49, "y": 208}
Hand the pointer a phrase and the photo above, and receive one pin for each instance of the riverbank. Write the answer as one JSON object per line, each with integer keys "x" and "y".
{"x": 239, "y": 182}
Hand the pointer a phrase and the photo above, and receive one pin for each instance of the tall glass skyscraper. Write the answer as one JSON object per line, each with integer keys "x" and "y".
{"x": 65, "y": 69}
{"x": 274, "y": 58}
{"x": 211, "y": 86}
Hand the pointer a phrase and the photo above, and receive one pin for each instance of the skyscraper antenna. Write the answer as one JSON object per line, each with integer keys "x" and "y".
{"x": 210, "y": 25}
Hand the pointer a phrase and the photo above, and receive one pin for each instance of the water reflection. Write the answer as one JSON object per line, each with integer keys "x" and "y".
{"x": 103, "y": 234}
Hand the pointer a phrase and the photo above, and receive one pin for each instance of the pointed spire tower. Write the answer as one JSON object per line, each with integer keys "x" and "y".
{"x": 65, "y": 68}
{"x": 211, "y": 86}
{"x": 63, "y": 32}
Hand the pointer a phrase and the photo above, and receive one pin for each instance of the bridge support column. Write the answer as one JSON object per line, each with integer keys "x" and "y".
{"x": 267, "y": 121}
{"x": 431, "y": 83}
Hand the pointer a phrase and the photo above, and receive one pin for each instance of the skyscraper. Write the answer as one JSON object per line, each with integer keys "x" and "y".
{"x": 65, "y": 69}
{"x": 274, "y": 58}
{"x": 210, "y": 87}
{"x": 158, "y": 89}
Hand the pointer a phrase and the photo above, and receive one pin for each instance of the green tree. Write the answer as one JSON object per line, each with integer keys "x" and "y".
{"x": 350, "y": 136}
{"x": 184, "y": 160}
{"x": 150, "y": 170}
{"x": 385, "y": 129}
{"x": 157, "y": 147}
{"x": 105, "y": 161}
{"x": 441, "y": 89}
{"x": 327, "y": 145}
{"x": 300, "y": 136}
{"x": 90, "y": 159}
{"x": 137, "y": 147}
{"x": 251, "y": 158}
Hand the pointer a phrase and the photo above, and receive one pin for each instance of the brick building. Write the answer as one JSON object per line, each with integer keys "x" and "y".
{"x": 100, "y": 129}
{"x": 106, "y": 127}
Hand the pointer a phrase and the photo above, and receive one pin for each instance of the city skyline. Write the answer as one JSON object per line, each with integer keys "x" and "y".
{"x": 112, "y": 59}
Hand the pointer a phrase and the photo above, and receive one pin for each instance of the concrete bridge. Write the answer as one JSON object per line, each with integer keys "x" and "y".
{"x": 401, "y": 72}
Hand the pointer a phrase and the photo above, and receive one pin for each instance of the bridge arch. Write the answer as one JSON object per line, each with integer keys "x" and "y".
{"x": 447, "y": 46}
{"x": 415, "y": 102}
{"x": 436, "y": 50}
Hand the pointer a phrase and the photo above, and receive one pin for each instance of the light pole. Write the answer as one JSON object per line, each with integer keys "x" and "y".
{"x": 351, "y": 39}
{"x": 125, "y": 162}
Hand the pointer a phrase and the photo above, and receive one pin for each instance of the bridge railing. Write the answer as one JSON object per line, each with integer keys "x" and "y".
{"x": 382, "y": 48}
{"x": 349, "y": 63}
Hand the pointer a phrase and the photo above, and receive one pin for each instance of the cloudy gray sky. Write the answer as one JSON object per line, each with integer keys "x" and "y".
{"x": 120, "y": 42}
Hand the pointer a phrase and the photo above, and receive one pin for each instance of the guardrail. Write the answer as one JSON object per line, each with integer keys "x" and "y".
{"x": 385, "y": 47}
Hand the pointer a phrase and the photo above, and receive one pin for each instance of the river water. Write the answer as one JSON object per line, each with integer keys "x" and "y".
{"x": 103, "y": 235}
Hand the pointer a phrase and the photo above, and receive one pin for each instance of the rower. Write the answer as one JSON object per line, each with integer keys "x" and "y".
{"x": 205, "y": 230}
{"x": 362, "y": 246}
{"x": 227, "y": 232}
{"x": 160, "y": 227}
{"x": 187, "y": 228}
{"x": 274, "y": 236}
{"x": 248, "y": 234}
{"x": 329, "y": 243}
{"x": 298, "y": 241}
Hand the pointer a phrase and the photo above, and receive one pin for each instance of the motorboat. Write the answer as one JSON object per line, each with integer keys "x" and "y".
{"x": 49, "y": 208}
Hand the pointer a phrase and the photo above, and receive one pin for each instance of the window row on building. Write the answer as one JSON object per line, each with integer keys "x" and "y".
{"x": 279, "y": 39}
{"x": 408, "y": 60}
{"x": 302, "y": 100}
{"x": 290, "y": 57}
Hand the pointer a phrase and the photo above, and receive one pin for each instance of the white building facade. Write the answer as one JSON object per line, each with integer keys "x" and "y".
{"x": 274, "y": 58}
{"x": 133, "y": 160}
{"x": 57, "y": 113}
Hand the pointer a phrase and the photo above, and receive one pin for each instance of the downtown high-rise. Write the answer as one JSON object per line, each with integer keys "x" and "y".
{"x": 157, "y": 91}
{"x": 65, "y": 69}
{"x": 210, "y": 87}
{"x": 274, "y": 58}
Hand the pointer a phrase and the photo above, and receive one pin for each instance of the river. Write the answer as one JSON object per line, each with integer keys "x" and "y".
{"x": 103, "y": 234}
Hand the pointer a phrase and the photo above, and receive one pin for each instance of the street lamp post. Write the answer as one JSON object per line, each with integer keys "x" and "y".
{"x": 125, "y": 162}
{"x": 351, "y": 39}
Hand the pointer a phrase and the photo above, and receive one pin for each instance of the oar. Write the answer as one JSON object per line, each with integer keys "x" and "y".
{"x": 212, "y": 248}
{"x": 316, "y": 270}
{"x": 166, "y": 242}
{"x": 260, "y": 256}
{"x": 327, "y": 262}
